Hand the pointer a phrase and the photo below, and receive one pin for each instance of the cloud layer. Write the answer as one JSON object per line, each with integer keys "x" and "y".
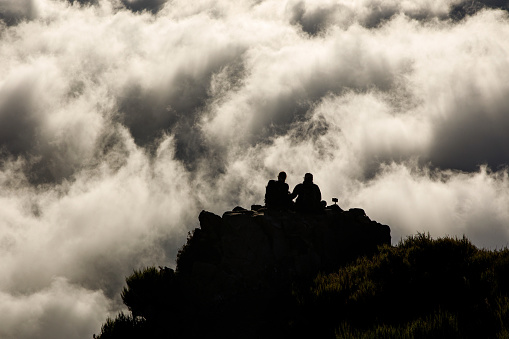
{"x": 120, "y": 120}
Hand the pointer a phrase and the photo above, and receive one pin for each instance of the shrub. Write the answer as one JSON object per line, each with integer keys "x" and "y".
{"x": 123, "y": 326}
{"x": 421, "y": 288}
{"x": 399, "y": 290}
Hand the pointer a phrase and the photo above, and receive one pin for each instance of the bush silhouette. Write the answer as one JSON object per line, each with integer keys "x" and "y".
{"x": 123, "y": 326}
{"x": 421, "y": 288}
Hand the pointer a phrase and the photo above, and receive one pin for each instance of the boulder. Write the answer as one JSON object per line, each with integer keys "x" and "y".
{"x": 262, "y": 250}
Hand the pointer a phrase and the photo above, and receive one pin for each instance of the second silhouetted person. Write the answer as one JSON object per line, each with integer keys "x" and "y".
{"x": 308, "y": 196}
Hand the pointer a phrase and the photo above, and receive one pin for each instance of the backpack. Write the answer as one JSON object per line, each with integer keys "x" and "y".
{"x": 271, "y": 193}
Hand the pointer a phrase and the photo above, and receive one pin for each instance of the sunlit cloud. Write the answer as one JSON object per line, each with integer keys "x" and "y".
{"x": 121, "y": 120}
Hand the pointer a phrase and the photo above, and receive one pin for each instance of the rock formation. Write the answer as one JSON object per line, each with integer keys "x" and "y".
{"x": 243, "y": 275}
{"x": 259, "y": 251}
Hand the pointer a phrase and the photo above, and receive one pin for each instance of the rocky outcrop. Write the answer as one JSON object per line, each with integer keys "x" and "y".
{"x": 247, "y": 274}
{"x": 246, "y": 251}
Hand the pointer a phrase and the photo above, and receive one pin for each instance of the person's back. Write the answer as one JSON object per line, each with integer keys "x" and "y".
{"x": 277, "y": 195}
{"x": 308, "y": 196}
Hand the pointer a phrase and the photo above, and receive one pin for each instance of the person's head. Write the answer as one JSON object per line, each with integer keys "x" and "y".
{"x": 308, "y": 177}
{"x": 281, "y": 176}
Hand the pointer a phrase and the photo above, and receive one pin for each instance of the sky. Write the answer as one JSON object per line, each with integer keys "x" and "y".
{"x": 120, "y": 120}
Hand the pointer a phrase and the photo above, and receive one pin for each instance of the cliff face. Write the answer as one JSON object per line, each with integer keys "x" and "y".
{"x": 263, "y": 250}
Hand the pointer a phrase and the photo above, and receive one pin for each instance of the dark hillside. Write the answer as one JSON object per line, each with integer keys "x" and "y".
{"x": 237, "y": 274}
{"x": 262, "y": 274}
{"x": 422, "y": 288}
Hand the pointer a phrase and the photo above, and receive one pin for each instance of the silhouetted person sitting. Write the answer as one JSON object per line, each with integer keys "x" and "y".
{"x": 277, "y": 194}
{"x": 309, "y": 197}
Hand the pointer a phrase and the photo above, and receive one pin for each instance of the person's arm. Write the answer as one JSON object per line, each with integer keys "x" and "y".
{"x": 295, "y": 192}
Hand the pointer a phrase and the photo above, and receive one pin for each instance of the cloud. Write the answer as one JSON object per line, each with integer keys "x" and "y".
{"x": 121, "y": 120}
{"x": 140, "y": 5}
{"x": 462, "y": 9}
{"x": 318, "y": 17}
{"x": 104, "y": 220}
{"x": 14, "y": 11}
{"x": 61, "y": 310}
{"x": 441, "y": 203}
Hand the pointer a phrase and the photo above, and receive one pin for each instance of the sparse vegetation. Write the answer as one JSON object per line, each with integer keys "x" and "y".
{"x": 421, "y": 288}
{"x": 123, "y": 326}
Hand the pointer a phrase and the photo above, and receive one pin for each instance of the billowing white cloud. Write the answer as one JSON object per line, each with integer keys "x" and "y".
{"x": 120, "y": 120}
{"x": 440, "y": 203}
{"x": 61, "y": 310}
